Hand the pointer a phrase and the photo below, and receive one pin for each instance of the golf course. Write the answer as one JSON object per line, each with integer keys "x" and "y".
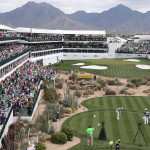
{"x": 125, "y": 129}
{"x": 104, "y": 108}
{"x": 116, "y": 67}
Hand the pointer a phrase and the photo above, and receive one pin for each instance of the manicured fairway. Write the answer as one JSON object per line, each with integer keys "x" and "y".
{"x": 105, "y": 110}
{"x": 116, "y": 67}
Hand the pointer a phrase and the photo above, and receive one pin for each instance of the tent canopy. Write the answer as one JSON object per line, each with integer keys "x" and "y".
{"x": 46, "y": 31}
{"x": 3, "y": 27}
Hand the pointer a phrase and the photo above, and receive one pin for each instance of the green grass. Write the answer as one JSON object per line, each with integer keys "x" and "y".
{"x": 105, "y": 110}
{"x": 116, "y": 67}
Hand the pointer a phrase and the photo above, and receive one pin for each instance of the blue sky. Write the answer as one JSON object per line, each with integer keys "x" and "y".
{"x": 71, "y": 6}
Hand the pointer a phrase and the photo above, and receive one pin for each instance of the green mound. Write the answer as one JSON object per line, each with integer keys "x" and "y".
{"x": 116, "y": 67}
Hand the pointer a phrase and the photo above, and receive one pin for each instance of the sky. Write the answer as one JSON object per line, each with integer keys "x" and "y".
{"x": 71, "y": 6}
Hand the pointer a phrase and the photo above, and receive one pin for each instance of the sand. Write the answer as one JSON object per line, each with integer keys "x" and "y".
{"x": 94, "y": 67}
{"x": 134, "y": 60}
{"x": 143, "y": 66}
{"x": 79, "y": 64}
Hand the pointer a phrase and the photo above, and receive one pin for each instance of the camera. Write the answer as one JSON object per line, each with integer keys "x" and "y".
{"x": 139, "y": 124}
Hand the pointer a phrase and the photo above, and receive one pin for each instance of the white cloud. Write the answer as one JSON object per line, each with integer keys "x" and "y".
{"x": 70, "y": 6}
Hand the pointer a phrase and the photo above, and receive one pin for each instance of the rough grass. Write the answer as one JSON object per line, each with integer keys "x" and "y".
{"x": 116, "y": 67}
{"x": 124, "y": 129}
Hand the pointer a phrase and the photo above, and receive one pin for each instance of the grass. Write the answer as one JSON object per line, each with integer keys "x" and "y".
{"x": 125, "y": 129}
{"x": 116, "y": 67}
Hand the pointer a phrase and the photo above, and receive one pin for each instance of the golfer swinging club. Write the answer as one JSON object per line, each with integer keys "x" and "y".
{"x": 118, "y": 111}
{"x": 89, "y": 134}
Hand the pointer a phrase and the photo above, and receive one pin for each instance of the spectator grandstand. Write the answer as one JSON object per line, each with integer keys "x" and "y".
{"x": 11, "y": 49}
{"x": 141, "y": 47}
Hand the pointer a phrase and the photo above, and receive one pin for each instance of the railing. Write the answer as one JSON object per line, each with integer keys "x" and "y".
{"x": 3, "y": 128}
{"x": 9, "y": 38}
{"x": 13, "y": 57}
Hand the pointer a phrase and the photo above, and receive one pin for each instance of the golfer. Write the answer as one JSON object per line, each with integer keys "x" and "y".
{"x": 89, "y": 134}
{"x": 118, "y": 111}
{"x": 146, "y": 116}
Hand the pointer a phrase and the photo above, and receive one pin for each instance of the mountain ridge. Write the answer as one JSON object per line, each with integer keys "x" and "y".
{"x": 42, "y": 15}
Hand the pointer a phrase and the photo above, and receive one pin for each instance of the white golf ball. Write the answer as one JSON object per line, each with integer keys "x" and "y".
{"x": 94, "y": 115}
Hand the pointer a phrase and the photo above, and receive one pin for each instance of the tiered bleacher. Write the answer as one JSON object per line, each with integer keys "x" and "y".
{"x": 20, "y": 78}
{"x": 141, "y": 47}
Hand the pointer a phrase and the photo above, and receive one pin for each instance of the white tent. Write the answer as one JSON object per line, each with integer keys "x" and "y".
{"x": 46, "y": 31}
{"x": 3, "y": 27}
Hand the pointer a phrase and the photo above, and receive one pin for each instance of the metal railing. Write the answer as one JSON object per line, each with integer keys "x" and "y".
{"x": 13, "y": 57}
{"x": 3, "y": 128}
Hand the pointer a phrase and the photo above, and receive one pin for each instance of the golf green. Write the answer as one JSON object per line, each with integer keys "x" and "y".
{"x": 116, "y": 67}
{"x": 125, "y": 129}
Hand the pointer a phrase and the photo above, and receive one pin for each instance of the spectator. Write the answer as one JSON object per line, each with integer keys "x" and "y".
{"x": 3, "y": 118}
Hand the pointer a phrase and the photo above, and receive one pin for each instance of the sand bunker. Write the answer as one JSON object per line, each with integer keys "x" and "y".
{"x": 134, "y": 60}
{"x": 143, "y": 66}
{"x": 79, "y": 64}
{"x": 95, "y": 67}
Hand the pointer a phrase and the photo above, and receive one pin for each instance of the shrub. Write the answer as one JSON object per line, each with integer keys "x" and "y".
{"x": 95, "y": 89}
{"x": 82, "y": 82}
{"x": 51, "y": 129}
{"x": 42, "y": 122}
{"x": 54, "y": 119}
{"x": 59, "y": 138}
{"x": 42, "y": 139}
{"x": 90, "y": 91}
{"x": 51, "y": 96}
{"x": 108, "y": 92}
{"x": 40, "y": 146}
{"x": 102, "y": 83}
{"x": 68, "y": 110}
{"x": 99, "y": 88}
{"x": 22, "y": 133}
{"x": 138, "y": 81}
{"x": 47, "y": 84}
{"x": 52, "y": 109}
{"x": 68, "y": 131}
{"x": 122, "y": 91}
{"x": 114, "y": 82}
{"x": 59, "y": 85}
{"x": 77, "y": 93}
{"x": 30, "y": 125}
{"x": 130, "y": 85}
{"x": 111, "y": 82}
{"x": 70, "y": 101}
{"x": 85, "y": 93}
{"x": 73, "y": 77}
{"x": 34, "y": 130}
{"x": 24, "y": 145}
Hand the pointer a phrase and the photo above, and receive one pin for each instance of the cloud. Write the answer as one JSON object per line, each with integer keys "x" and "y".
{"x": 70, "y": 6}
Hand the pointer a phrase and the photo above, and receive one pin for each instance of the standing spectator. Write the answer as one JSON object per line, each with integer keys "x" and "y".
{"x": 3, "y": 118}
{"x": 29, "y": 109}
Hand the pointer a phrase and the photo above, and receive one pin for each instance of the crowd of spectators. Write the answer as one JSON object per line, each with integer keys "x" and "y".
{"x": 85, "y": 45}
{"x": 10, "y": 67}
{"x": 41, "y": 37}
{"x": 9, "y": 50}
{"x": 44, "y": 46}
{"x": 20, "y": 88}
{"x": 84, "y": 38}
{"x": 141, "y": 47}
